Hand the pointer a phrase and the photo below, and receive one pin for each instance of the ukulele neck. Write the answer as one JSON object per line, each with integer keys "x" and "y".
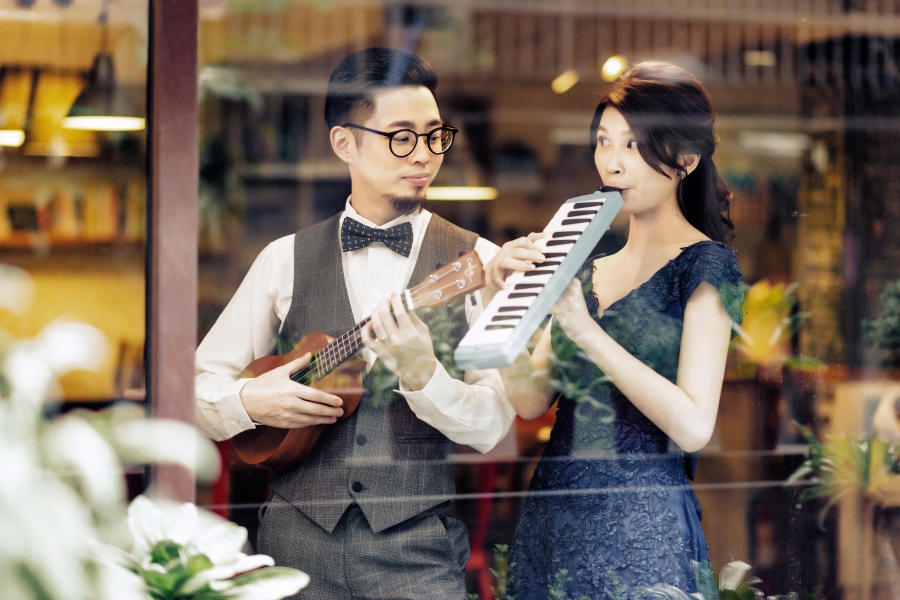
{"x": 340, "y": 349}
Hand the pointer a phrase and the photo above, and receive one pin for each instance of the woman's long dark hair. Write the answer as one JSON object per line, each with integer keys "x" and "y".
{"x": 670, "y": 114}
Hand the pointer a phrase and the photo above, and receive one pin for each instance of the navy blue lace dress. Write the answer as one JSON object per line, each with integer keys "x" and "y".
{"x": 610, "y": 508}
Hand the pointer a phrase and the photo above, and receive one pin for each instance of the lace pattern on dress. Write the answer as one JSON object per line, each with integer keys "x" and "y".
{"x": 610, "y": 503}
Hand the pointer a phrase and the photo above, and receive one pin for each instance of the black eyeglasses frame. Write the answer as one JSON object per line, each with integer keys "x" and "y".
{"x": 390, "y": 135}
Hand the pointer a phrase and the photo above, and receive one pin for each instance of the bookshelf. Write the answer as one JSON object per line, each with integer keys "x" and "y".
{"x": 69, "y": 209}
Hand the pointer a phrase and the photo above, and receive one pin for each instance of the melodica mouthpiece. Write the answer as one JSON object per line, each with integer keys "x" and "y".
{"x": 609, "y": 188}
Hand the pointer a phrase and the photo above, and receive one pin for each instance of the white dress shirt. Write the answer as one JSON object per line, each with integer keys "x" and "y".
{"x": 475, "y": 412}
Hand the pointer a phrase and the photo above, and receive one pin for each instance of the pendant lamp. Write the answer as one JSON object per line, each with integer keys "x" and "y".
{"x": 103, "y": 105}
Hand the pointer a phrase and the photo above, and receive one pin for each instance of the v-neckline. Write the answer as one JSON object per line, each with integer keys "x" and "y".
{"x": 651, "y": 278}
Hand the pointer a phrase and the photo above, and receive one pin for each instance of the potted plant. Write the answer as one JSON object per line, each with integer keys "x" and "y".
{"x": 763, "y": 365}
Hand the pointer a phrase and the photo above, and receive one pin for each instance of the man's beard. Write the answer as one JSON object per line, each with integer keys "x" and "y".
{"x": 405, "y": 205}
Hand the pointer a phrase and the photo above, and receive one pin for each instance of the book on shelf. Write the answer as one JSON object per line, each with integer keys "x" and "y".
{"x": 79, "y": 212}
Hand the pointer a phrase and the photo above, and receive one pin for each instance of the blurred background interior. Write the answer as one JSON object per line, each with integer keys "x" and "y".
{"x": 806, "y": 95}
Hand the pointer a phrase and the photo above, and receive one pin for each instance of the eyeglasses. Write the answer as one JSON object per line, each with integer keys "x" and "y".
{"x": 403, "y": 141}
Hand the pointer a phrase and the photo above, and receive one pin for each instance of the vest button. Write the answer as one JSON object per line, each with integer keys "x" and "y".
{"x": 361, "y": 440}
{"x": 357, "y": 487}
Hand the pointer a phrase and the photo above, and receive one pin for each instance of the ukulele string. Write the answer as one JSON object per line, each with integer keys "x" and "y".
{"x": 349, "y": 342}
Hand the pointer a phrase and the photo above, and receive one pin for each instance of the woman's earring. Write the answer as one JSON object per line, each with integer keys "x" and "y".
{"x": 682, "y": 173}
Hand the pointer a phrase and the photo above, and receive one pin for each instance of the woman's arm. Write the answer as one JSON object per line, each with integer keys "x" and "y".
{"x": 527, "y": 380}
{"x": 685, "y": 411}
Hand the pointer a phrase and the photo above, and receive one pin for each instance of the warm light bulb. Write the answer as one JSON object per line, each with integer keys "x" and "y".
{"x": 759, "y": 58}
{"x": 462, "y": 193}
{"x": 564, "y": 81}
{"x": 11, "y": 138}
{"x": 613, "y": 67}
{"x": 102, "y": 123}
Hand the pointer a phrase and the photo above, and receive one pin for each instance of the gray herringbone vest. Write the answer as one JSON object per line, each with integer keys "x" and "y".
{"x": 398, "y": 459}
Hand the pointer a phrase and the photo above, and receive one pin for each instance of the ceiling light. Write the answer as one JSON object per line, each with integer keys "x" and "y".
{"x": 461, "y": 193}
{"x": 781, "y": 144}
{"x": 12, "y": 138}
{"x": 105, "y": 123}
{"x": 15, "y": 96}
{"x": 613, "y": 67}
{"x": 102, "y": 105}
{"x": 759, "y": 58}
{"x": 564, "y": 82}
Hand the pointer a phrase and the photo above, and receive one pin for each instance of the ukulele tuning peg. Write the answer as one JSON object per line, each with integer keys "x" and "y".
{"x": 462, "y": 253}
{"x": 439, "y": 265}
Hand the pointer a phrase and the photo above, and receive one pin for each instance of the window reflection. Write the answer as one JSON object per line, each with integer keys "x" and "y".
{"x": 805, "y": 101}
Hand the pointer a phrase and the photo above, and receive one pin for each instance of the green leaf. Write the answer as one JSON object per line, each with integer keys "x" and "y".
{"x": 164, "y": 552}
{"x": 805, "y": 363}
{"x": 269, "y": 583}
{"x": 161, "y": 582}
{"x": 197, "y": 563}
{"x": 813, "y": 594}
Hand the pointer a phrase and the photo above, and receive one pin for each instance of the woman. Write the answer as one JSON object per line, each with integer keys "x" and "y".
{"x": 637, "y": 346}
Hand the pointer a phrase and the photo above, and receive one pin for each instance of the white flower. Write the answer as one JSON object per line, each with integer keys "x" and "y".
{"x": 232, "y": 573}
{"x": 149, "y": 525}
{"x": 79, "y": 454}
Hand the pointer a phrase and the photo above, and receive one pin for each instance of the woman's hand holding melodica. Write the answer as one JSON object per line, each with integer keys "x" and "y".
{"x": 571, "y": 312}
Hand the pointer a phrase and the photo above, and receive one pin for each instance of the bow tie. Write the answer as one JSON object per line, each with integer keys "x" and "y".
{"x": 355, "y": 235}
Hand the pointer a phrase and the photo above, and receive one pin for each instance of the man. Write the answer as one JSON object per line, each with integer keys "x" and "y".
{"x": 366, "y": 514}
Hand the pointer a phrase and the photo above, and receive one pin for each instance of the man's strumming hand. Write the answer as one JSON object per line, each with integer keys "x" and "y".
{"x": 274, "y": 399}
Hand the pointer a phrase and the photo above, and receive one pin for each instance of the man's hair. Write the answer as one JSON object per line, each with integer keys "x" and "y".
{"x": 354, "y": 83}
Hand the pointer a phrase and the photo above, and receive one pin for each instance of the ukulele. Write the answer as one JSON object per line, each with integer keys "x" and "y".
{"x": 336, "y": 368}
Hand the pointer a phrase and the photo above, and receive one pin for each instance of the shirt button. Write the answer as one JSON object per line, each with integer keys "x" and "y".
{"x": 357, "y": 487}
{"x": 361, "y": 440}
{"x": 376, "y": 275}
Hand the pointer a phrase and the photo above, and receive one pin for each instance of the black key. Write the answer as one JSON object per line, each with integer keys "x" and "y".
{"x": 554, "y": 255}
{"x": 490, "y": 327}
{"x": 507, "y": 318}
{"x": 526, "y": 286}
{"x": 586, "y": 204}
{"x": 560, "y": 242}
{"x": 522, "y": 295}
{"x": 513, "y": 308}
{"x": 547, "y": 263}
{"x": 539, "y": 272}
{"x": 575, "y": 221}
{"x": 582, "y": 213}
{"x": 560, "y": 234}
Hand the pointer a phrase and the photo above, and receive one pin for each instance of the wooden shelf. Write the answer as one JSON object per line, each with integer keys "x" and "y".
{"x": 38, "y": 241}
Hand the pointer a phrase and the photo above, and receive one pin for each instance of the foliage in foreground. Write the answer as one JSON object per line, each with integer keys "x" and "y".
{"x": 63, "y": 498}
{"x": 731, "y": 584}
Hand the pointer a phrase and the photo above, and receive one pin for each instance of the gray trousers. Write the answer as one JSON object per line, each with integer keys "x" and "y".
{"x": 423, "y": 557}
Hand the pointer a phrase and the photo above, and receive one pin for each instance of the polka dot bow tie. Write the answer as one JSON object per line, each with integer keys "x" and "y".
{"x": 355, "y": 235}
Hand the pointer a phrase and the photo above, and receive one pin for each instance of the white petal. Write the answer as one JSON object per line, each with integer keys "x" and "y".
{"x": 732, "y": 575}
{"x": 109, "y": 554}
{"x": 181, "y": 523}
{"x": 219, "y": 579}
{"x": 67, "y": 345}
{"x": 222, "y": 543}
{"x": 117, "y": 583}
{"x": 164, "y": 441}
{"x": 29, "y": 376}
{"x": 147, "y": 525}
{"x": 77, "y": 452}
{"x": 271, "y": 584}
{"x": 18, "y": 289}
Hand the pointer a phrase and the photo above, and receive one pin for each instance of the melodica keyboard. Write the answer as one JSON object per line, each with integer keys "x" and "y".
{"x": 510, "y": 320}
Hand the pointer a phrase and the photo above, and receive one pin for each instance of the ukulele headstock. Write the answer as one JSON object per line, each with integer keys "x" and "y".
{"x": 457, "y": 278}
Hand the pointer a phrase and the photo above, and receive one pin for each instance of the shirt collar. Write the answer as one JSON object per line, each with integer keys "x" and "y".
{"x": 414, "y": 219}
